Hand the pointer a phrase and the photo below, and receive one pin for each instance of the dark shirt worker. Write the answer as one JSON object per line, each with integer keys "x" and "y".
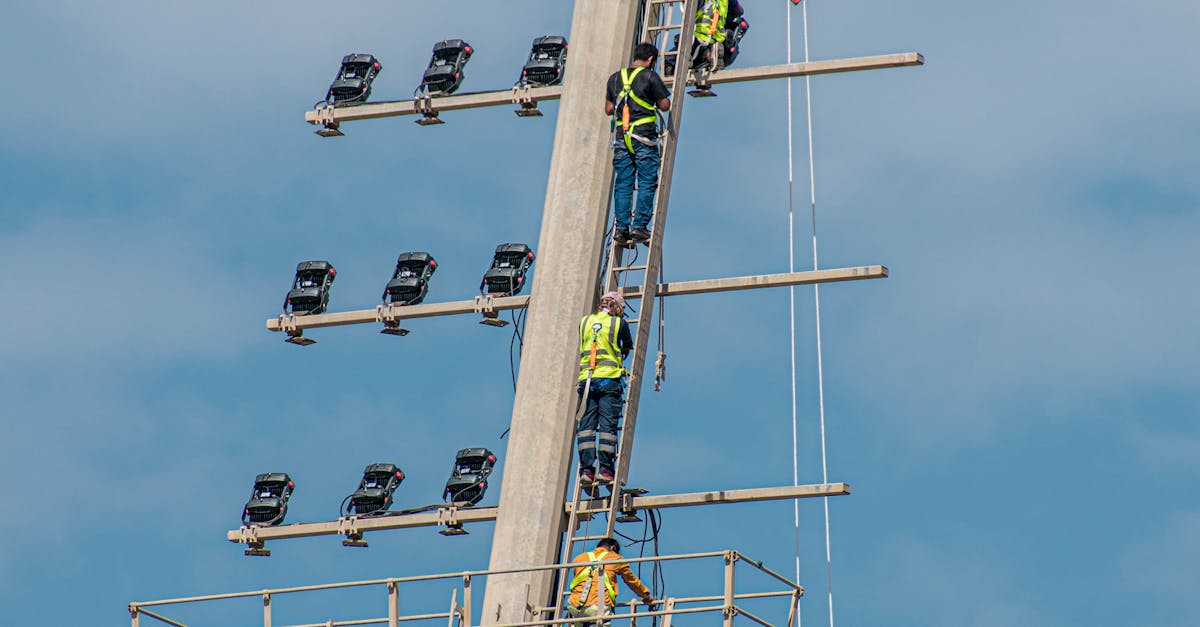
{"x": 633, "y": 94}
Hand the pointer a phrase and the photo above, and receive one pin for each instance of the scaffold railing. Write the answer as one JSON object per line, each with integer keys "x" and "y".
{"x": 729, "y": 604}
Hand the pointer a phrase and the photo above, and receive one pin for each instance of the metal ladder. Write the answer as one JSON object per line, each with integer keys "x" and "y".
{"x": 660, "y": 20}
{"x": 658, "y": 27}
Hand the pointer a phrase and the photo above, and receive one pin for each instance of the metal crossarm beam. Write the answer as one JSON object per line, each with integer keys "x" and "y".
{"x": 392, "y": 312}
{"x": 782, "y": 279}
{"x": 814, "y": 68}
{"x": 595, "y": 506}
{"x": 371, "y": 111}
{"x": 454, "y": 102}
{"x": 245, "y": 535}
{"x": 680, "y": 288}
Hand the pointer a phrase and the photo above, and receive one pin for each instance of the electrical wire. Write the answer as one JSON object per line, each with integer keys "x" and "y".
{"x": 517, "y": 345}
{"x": 651, "y": 527}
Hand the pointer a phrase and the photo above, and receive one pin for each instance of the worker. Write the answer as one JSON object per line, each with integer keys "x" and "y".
{"x": 604, "y": 342}
{"x": 588, "y": 581}
{"x": 633, "y": 94}
{"x": 711, "y": 23}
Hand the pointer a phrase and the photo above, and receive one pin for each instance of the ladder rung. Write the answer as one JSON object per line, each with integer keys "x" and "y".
{"x": 624, "y": 268}
{"x": 662, "y": 2}
{"x": 586, "y": 538}
{"x": 664, "y": 27}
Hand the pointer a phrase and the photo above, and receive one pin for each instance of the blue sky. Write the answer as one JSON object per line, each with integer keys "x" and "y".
{"x": 1015, "y": 406}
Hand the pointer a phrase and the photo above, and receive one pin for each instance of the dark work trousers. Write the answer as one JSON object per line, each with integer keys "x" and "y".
{"x": 641, "y": 165}
{"x": 597, "y": 432}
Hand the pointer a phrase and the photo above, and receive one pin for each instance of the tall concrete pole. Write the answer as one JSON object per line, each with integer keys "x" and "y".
{"x": 530, "y": 521}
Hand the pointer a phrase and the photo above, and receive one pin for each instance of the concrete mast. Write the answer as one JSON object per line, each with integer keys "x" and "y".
{"x": 529, "y": 525}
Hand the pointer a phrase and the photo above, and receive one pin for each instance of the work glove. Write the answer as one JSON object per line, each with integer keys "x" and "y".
{"x": 648, "y": 600}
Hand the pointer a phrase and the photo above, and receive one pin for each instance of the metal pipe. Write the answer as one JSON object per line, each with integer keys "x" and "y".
{"x": 738, "y": 610}
{"x": 393, "y": 604}
{"x": 466, "y": 614}
{"x": 266, "y": 596}
{"x": 560, "y": 621}
{"x": 375, "y": 621}
{"x": 158, "y": 617}
{"x": 729, "y": 609}
{"x": 704, "y": 599}
{"x": 398, "y": 580}
{"x": 781, "y": 578}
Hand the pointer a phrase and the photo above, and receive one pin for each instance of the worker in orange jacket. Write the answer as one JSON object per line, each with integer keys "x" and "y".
{"x": 586, "y": 600}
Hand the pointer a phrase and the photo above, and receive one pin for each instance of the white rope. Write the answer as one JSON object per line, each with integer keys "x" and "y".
{"x": 812, "y": 187}
{"x": 792, "y": 305}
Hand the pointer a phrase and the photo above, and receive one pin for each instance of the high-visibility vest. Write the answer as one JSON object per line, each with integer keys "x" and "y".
{"x": 598, "y": 352}
{"x": 626, "y": 94}
{"x": 710, "y": 21}
{"x": 590, "y": 573}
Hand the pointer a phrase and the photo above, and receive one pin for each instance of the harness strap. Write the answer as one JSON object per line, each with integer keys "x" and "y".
{"x": 588, "y": 574}
{"x": 623, "y": 99}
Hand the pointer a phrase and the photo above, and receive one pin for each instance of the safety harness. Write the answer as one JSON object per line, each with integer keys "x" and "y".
{"x": 623, "y": 98}
{"x": 590, "y": 573}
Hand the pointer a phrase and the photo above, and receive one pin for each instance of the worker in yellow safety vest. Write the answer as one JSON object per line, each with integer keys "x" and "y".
{"x": 710, "y": 21}
{"x": 711, "y": 17}
{"x": 594, "y": 585}
{"x": 633, "y": 95}
{"x": 604, "y": 342}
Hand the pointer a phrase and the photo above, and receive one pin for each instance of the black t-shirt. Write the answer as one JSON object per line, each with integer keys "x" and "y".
{"x": 648, "y": 86}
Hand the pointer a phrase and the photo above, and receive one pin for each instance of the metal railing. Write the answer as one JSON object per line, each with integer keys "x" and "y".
{"x": 459, "y": 615}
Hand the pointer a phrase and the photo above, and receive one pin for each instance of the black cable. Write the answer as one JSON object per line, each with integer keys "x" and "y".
{"x": 512, "y": 365}
{"x": 517, "y": 341}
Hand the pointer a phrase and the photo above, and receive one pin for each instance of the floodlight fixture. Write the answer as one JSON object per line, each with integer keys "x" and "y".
{"x": 268, "y": 499}
{"x": 468, "y": 478}
{"x": 310, "y": 289}
{"x": 410, "y": 279}
{"x": 374, "y": 493}
{"x": 506, "y": 275}
{"x": 444, "y": 74}
{"x": 353, "y": 83}
{"x": 547, "y": 62}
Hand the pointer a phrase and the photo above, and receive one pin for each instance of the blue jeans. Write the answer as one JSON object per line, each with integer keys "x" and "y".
{"x": 642, "y": 165}
{"x": 599, "y": 422}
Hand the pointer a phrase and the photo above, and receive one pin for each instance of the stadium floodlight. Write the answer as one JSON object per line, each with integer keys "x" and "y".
{"x": 547, "y": 62}
{"x": 353, "y": 83}
{"x": 374, "y": 493}
{"x": 310, "y": 288}
{"x": 506, "y": 275}
{"x": 444, "y": 74}
{"x": 268, "y": 499}
{"x": 468, "y": 478}
{"x": 408, "y": 285}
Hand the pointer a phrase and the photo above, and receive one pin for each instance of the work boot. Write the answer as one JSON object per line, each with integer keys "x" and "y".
{"x": 605, "y": 475}
{"x": 639, "y": 236}
{"x": 621, "y": 236}
{"x": 587, "y": 477}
